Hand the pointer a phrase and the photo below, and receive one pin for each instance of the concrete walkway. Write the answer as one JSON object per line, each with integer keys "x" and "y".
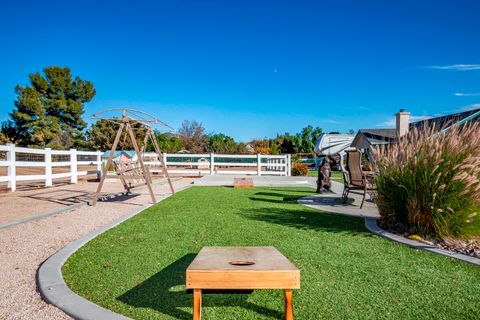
{"x": 332, "y": 202}
{"x": 258, "y": 181}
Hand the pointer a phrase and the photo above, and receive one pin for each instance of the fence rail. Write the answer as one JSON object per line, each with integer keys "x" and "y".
{"x": 215, "y": 163}
{"x": 14, "y": 158}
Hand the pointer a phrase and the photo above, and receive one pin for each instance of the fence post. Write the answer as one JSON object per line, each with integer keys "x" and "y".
{"x": 289, "y": 165}
{"x": 259, "y": 167}
{"x": 48, "y": 167}
{"x": 99, "y": 165}
{"x": 11, "y": 169}
{"x": 73, "y": 166}
{"x": 212, "y": 164}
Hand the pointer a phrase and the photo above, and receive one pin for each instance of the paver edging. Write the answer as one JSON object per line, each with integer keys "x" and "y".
{"x": 54, "y": 290}
{"x": 372, "y": 225}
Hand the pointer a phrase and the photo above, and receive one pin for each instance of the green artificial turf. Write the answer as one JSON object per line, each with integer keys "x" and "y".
{"x": 313, "y": 173}
{"x": 336, "y": 175}
{"x": 138, "y": 268}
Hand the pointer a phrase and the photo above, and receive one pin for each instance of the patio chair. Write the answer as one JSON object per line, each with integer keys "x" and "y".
{"x": 354, "y": 177}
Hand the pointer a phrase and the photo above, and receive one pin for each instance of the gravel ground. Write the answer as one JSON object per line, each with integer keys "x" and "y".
{"x": 32, "y": 199}
{"x": 24, "y": 247}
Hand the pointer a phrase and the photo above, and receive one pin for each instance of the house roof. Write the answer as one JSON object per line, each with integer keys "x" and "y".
{"x": 387, "y": 136}
{"x": 443, "y": 122}
{"x": 379, "y": 136}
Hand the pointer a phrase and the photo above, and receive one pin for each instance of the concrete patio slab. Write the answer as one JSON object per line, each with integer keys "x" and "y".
{"x": 332, "y": 202}
{"x": 258, "y": 181}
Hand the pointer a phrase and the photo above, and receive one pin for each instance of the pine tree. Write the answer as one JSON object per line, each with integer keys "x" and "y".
{"x": 48, "y": 113}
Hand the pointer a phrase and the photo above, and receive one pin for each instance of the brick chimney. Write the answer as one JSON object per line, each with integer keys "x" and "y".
{"x": 403, "y": 118}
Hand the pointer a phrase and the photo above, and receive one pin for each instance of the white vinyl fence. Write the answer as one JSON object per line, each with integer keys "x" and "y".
{"x": 27, "y": 164}
{"x": 16, "y": 158}
{"x": 211, "y": 163}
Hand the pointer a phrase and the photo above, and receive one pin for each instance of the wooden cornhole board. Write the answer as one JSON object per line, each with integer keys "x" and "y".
{"x": 243, "y": 183}
{"x": 240, "y": 268}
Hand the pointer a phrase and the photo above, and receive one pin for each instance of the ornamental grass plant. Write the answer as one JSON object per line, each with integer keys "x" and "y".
{"x": 429, "y": 182}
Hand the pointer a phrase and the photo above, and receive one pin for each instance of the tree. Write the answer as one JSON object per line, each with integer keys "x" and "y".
{"x": 243, "y": 148}
{"x": 193, "y": 136}
{"x": 3, "y": 138}
{"x": 102, "y": 133}
{"x": 307, "y": 139}
{"x": 261, "y": 146}
{"x": 221, "y": 143}
{"x": 48, "y": 113}
{"x": 316, "y": 133}
{"x": 8, "y": 132}
{"x": 286, "y": 143}
{"x": 167, "y": 142}
{"x": 274, "y": 150}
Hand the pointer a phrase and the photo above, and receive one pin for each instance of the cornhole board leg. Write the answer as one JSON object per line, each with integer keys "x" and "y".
{"x": 197, "y": 304}
{"x": 288, "y": 304}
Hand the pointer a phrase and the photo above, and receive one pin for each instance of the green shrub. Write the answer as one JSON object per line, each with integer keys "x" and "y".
{"x": 429, "y": 183}
{"x": 296, "y": 158}
{"x": 299, "y": 169}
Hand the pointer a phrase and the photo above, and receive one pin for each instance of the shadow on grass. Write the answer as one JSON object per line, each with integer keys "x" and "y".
{"x": 281, "y": 194}
{"x": 281, "y": 197}
{"x": 165, "y": 292}
{"x": 292, "y": 216}
{"x": 317, "y": 221}
{"x": 286, "y": 200}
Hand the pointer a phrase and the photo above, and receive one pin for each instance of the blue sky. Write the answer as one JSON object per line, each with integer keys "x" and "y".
{"x": 252, "y": 69}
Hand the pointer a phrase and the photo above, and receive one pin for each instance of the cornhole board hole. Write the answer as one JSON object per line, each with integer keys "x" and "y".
{"x": 241, "y": 268}
{"x": 245, "y": 183}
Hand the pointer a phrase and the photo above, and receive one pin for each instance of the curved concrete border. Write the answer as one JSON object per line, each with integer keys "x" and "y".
{"x": 372, "y": 225}
{"x": 55, "y": 291}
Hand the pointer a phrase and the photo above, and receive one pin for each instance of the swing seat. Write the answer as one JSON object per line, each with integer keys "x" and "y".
{"x": 131, "y": 174}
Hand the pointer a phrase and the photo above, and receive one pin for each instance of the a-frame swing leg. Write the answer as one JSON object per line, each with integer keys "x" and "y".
{"x": 146, "y": 174}
{"x": 160, "y": 158}
{"x": 145, "y": 140}
{"x": 109, "y": 163}
{"x": 143, "y": 148}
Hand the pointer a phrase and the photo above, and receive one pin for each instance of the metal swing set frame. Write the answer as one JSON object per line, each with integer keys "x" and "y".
{"x": 133, "y": 174}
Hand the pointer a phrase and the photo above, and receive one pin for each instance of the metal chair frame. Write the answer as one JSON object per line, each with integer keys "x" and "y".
{"x": 354, "y": 177}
